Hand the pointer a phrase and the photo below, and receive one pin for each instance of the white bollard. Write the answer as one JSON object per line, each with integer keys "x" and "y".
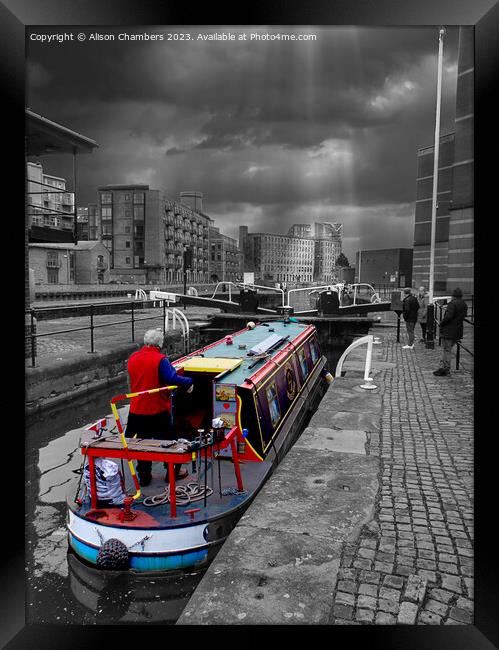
{"x": 367, "y": 385}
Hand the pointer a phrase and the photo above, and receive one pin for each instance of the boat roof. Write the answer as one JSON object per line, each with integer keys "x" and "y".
{"x": 233, "y": 361}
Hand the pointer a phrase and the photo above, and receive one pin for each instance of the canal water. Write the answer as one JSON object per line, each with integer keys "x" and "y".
{"x": 59, "y": 587}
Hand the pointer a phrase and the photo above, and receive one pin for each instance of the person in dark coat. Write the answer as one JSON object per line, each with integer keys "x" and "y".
{"x": 410, "y": 308}
{"x": 451, "y": 330}
{"x": 423, "y": 300}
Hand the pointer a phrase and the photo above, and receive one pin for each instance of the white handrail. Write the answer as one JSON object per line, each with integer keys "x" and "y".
{"x": 177, "y": 314}
{"x": 230, "y": 284}
{"x": 367, "y": 369}
{"x": 140, "y": 294}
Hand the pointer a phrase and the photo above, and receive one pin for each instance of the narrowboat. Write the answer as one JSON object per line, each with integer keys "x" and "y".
{"x": 253, "y": 394}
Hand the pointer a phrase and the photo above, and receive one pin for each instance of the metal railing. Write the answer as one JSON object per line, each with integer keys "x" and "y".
{"x": 343, "y": 290}
{"x": 246, "y": 285}
{"x": 369, "y": 340}
{"x": 132, "y": 320}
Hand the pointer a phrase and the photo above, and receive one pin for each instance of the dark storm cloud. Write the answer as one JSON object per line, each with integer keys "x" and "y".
{"x": 262, "y": 126}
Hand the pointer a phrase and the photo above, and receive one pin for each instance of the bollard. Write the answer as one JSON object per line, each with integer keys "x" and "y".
{"x": 367, "y": 385}
{"x": 398, "y": 328}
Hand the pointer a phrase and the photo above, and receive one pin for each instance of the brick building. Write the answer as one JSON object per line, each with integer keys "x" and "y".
{"x": 146, "y": 234}
{"x": 422, "y": 225}
{"x": 461, "y": 241}
{"x": 58, "y": 263}
{"x": 225, "y": 258}
{"x": 327, "y": 246}
{"x": 277, "y": 258}
{"x": 51, "y": 207}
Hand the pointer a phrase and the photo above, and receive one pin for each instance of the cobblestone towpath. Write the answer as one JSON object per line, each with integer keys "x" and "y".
{"x": 413, "y": 563}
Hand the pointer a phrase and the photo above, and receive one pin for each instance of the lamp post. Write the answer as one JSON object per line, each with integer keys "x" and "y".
{"x": 430, "y": 343}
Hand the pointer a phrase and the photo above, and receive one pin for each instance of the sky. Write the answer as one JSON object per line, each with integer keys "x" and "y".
{"x": 272, "y": 132}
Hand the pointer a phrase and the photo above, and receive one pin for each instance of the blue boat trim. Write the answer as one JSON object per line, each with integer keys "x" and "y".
{"x": 144, "y": 562}
{"x": 193, "y": 549}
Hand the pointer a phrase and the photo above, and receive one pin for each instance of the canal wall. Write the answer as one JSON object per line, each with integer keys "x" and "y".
{"x": 56, "y": 380}
{"x": 280, "y": 565}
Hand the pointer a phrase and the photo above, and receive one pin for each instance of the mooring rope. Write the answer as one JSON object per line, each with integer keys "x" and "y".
{"x": 184, "y": 494}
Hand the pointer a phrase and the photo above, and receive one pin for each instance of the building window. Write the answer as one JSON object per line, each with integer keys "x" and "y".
{"x": 53, "y": 276}
{"x": 138, "y": 212}
{"x": 106, "y": 197}
{"x": 107, "y": 229}
{"x": 127, "y": 260}
{"x": 127, "y": 229}
{"x": 138, "y": 197}
{"x": 127, "y": 244}
{"x": 127, "y": 197}
{"x": 106, "y": 212}
{"x": 273, "y": 401}
{"x": 53, "y": 259}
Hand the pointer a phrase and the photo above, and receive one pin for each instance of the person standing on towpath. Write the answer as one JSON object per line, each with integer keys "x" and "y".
{"x": 451, "y": 330}
{"x": 410, "y": 308}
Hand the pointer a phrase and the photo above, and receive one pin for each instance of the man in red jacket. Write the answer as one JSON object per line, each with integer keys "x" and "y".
{"x": 150, "y": 415}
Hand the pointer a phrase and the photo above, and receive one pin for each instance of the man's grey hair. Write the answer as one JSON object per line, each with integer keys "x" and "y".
{"x": 422, "y": 289}
{"x": 408, "y": 290}
{"x": 154, "y": 337}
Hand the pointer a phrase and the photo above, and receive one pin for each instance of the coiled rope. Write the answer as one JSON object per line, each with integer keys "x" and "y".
{"x": 184, "y": 494}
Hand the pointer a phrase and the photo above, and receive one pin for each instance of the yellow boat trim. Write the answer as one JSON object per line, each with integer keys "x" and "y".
{"x": 211, "y": 364}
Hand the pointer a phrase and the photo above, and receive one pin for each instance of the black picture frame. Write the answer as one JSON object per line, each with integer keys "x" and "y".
{"x": 15, "y": 15}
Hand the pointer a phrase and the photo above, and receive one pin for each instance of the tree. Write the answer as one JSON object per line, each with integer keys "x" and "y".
{"x": 342, "y": 260}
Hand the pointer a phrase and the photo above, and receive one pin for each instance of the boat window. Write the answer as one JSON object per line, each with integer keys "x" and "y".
{"x": 314, "y": 351}
{"x": 303, "y": 362}
{"x": 275, "y": 413}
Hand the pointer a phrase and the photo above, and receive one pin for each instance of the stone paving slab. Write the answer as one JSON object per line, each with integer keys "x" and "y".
{"x": 268, "y": 577}
{"x": 317, "y": 490}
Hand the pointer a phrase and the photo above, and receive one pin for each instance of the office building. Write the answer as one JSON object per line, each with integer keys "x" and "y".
{"x": 387, "y": 266}
{"x": 454, "y": 248}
